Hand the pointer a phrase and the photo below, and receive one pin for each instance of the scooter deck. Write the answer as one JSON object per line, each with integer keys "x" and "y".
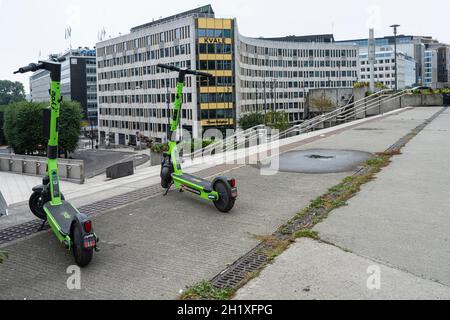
{"x": 63, "y": 214}
{"x": 205, "y": 184}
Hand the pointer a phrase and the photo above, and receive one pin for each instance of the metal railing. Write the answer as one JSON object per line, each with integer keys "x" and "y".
{"x": 226, "y": 143}
{"x": 344, "y": 114}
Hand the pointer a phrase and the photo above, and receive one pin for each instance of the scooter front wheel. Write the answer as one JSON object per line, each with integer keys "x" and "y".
{"x": 82, "y": 256}
{"x": 36, "y": 204}
{"x": 225, "y": 202}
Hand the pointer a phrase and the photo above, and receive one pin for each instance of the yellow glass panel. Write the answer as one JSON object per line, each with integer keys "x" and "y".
{"x": 212, "y": 106}
{"x": 218, "y": 24}
{"x": 210, "y": 23}
{"x": 220, "y": 73}
{"x": 202, "y": 24}
{"x": 216, "y": 90}
{"x": 227, "y": 23}
{"x": 204, "y": 56}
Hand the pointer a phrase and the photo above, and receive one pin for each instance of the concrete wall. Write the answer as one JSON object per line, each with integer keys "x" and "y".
{"x": 415, "y": 100}
{"x": 338, "y": 97}
{"x": 375, "y": 106}
{"x": 69, "y": 170}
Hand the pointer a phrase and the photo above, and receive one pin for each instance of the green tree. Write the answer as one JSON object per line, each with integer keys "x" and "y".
{"x": 70, "y": 126}
{"x": 251, "y": 120}
{"x": 11, "y": 92}
{"x": 278, "y": 120}
{"x": 23, "y": 127}
{"x": 2, "y": 136}
{"x": 322, "y": 104}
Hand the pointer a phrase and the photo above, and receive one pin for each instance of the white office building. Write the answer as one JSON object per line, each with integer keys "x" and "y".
{"x": 384, "y": 69}
{"x": 249, "y": 74}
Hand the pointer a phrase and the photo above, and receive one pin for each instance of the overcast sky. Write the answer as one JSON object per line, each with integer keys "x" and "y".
{"x": 30, "y": 27}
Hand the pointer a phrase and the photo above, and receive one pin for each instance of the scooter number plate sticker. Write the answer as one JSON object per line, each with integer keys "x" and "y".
{"x": 89, "y": 242}
{"x": 234, "y": 193}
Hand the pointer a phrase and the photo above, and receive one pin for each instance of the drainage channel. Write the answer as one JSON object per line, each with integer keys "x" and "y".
{"x": 257, "y": 258}
{"x": 33, "y": 227}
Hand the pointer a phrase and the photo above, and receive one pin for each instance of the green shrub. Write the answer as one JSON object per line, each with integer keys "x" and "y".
{"x": 159, "y": 148}
{"x": 251, "y": 120}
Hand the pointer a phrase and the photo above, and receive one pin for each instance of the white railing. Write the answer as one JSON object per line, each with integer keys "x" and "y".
{"x": 343, "y": 114}
{"x": 226, "y": 143}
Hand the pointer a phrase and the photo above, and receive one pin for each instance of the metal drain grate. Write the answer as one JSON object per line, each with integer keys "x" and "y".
{"x": 233, "y": 275}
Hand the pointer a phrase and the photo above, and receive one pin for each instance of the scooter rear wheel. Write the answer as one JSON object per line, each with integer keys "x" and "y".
{"x": 225, "y": 202}
{"x": 82, "y": 256}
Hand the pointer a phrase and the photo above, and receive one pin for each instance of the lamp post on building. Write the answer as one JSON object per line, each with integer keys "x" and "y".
{"x": 395, "y": 27}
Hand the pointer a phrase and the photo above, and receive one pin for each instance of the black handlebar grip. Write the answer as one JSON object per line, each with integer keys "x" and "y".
{"x": 203, "y": 74}
{"x": 30, "y": 68}
{"x": 186, "y": 71}
{"x": 168, "y": 67}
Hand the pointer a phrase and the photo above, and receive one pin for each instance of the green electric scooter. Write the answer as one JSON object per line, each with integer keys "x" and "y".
{"x": 222, "y": 191}
{"x": 72, "y": 228}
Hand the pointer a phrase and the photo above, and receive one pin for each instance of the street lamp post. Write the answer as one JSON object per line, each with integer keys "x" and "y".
{"x": 395, "y": 27}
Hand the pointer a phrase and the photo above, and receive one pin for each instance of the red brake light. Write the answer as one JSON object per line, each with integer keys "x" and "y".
{"x": 233, "y": 183}
{"x": 88, "y": 226}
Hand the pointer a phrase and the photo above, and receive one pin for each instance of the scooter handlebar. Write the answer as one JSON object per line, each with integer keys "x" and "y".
{"x": 186, "y": 71}
{"x": 32, "y": 67}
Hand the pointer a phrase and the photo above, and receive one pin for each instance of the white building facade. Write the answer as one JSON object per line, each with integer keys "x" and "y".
{"x": 248, "y": 75}
{"x": 384, "y": 69}
{"x": 277, "y": 75}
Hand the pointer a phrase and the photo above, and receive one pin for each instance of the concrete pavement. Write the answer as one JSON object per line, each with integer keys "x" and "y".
{"x": 399, "y": 223}
{"x": 310, "y": 270}
{"x": 154, "y": 248}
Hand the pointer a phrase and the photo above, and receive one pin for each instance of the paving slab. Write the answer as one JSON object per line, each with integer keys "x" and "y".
{"x": 398, "y": 223}
{"x": 311, "y": 270}
{"x": 403, "y": 217}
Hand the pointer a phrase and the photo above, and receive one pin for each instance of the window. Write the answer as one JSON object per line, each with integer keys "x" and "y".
{"x": 201, "y": 32}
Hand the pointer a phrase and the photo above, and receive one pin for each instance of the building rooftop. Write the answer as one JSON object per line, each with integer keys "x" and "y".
{"x": 320, "y": 38}
{"x": 205, "y": 11}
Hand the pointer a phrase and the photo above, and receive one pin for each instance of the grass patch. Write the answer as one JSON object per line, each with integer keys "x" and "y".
{"x": 306, "y": 233}
{"x": 206, "y": 291}
{"x": 3, "y": 256}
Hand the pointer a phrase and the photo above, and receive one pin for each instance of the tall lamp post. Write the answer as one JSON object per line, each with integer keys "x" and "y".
{"x": 395, "y": 27}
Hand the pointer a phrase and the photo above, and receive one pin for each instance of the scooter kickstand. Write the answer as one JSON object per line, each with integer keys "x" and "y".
{"x": 43, "y": 225}
{"x": 168, "y": 189}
